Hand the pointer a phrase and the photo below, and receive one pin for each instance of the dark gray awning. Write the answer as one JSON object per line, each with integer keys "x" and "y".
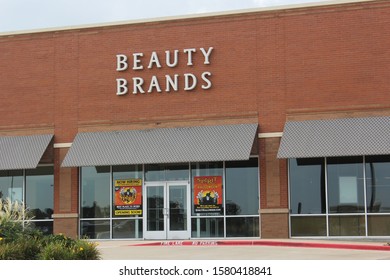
{"x": 22, "y": 152}
{"x": 337, "y": 137}
{"x": 162, "y": 145}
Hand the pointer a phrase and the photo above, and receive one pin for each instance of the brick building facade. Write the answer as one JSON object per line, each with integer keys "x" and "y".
{"x": 269, "y": 67}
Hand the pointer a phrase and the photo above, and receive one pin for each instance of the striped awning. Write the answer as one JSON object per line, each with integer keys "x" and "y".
{"x": 22, "y": 152}
{"x": 336, "y": 137}
{"x": 162, "y": 145}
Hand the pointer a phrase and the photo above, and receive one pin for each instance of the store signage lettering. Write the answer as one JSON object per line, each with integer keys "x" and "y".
{"x": 137, "y": 63}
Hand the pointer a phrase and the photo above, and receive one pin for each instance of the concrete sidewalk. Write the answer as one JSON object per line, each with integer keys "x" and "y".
{"x": 260, "y": 249}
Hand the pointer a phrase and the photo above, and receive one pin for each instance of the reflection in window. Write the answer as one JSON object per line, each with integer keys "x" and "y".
{"x": 166, "y": 172}
{"x": 207, "y": 227}
{"x": 242, "y": 187}
{"x": 40, "y": 191}
{"x": 178, "y": 207}
{"x": 347, "y": 225}
{"x": 378, "y": 184}
{"x": 46, "y": 227}
{"x": 345, "y": 185}
{"x": 378, "y": 225}
{"x": 11, "y": 185}
{"x": 177, "y": 172}
{"x": 95, "y": 192}
{"x": 307, "y": 185}
{"x": 123, "y": 172}
{"x": 95, "y": 229}
{"x": 155, "y": 208}
{"x": 349, "y": 182}
{"x": 127, "y": 228}
{"x": 154, "y": 172}
{"x": 308, "y": 225}
{"x": 242, "y": 227}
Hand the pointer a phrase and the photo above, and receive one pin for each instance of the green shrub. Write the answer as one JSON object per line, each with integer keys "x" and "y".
{"x": 21, "y": 249}
{"x": 52, "y": 247}
{"x": 84, "y": 250}
{"x": 9, "y": 251}
{"x": 56, "y": 251}
{"x": 19, "y": 241}
{"x": 62, "y": 248}
{"x": 59, "y": 239}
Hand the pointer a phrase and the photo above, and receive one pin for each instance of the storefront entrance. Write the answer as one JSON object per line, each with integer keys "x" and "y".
{"x": 167, "y": 210}
{"x": 170, "y": 201}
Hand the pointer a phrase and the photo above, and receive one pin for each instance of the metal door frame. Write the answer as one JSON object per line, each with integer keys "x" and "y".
{"x": 167, "y": 234}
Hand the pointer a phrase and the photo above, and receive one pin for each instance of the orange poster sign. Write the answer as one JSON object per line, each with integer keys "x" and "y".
{"x": 128, "y": 197}
{"x": 207, "y": 194}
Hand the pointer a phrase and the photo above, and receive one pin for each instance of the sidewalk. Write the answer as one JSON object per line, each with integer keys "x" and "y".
{"x": 265, "y": 249}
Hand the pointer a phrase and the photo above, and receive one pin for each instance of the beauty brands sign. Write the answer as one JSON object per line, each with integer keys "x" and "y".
{"x": 136, "y": 63}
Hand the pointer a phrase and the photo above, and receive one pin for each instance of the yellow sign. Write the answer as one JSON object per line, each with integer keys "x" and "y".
{"x": 127, "y": 212}
{"x": 128, "y": 183}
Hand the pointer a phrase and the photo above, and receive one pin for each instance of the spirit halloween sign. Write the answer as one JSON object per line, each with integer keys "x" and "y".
{"x": 208, "y": 194}
{"x": 137, "y": 63}
{"x": 128, "y": 197}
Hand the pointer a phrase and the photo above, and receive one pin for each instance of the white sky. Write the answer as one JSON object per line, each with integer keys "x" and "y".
{"x": 16, "y": 15}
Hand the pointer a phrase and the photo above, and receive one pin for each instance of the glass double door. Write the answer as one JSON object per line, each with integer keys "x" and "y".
{"x": 167, "y": 210}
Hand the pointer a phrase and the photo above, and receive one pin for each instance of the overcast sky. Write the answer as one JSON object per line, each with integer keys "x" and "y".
{"x": 16, "y": 15}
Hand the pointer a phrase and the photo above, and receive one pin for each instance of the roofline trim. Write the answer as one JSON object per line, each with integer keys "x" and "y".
{"x": 181, "y": 17}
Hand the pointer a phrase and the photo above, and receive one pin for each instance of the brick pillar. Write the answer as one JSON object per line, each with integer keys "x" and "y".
{"x": 273, "y": 192}
{"x": 65, "y": 197}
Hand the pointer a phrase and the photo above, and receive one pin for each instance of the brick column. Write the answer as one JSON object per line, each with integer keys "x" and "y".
{"x": 273, "y": 190}
{"x": 65, "y": 197}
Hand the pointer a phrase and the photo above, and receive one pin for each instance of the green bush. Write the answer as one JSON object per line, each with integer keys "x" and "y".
{"x": 51, "y": 247}
{"x": 84, "y": 250}
{"x": 60, "y": 247}
{"x": 58, "y": 239}
{"x": 55, "y": 251}
{"x": 11, "y": 251}
{"x": 21, "y": 249}
{"x": 19, "y": 241}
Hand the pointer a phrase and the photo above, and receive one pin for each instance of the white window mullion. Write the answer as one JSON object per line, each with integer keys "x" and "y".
{"x": 365, "y": 195}
{"x": 326, "y": 198}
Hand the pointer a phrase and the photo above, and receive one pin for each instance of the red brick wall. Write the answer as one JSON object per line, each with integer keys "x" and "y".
{"x": 274, "y": 225}
{"x": 65, "y": 181}
{"x": 66, "y": 196}
{"x": 267, "y": 64}
{"x": 66, "y": 226}
{"x": 273, "y": 65}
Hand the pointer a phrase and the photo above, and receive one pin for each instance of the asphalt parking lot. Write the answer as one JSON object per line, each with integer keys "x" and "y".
{"x": 269, "y": 250}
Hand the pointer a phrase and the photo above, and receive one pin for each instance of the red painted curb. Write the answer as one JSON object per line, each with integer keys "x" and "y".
{"x": 269, "y": 243}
